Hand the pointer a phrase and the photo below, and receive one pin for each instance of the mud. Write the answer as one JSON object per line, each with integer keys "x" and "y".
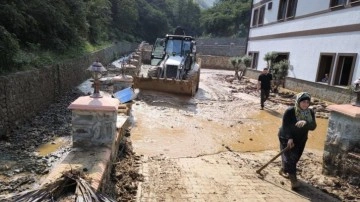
{"x": 222, "y": 124}
{"x": 33, "y": 147}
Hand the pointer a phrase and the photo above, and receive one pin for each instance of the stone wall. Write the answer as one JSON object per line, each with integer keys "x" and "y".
{"x": 221, "y": 50}
{"x": 93, "y": 128}
{"x": 322, "y": 91}
{"x": 229, "y": 47}
{"x": 221, "y": 41}
{"x": 24, "y": 94}
{"x": 342, "y": 148}
{"x": 215, "y": 62}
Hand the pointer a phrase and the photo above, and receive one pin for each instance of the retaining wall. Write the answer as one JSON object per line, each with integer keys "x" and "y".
{"x": 215, "y": 62}
{"x": 322, "y": 91}
{"x": 24, "y": 94}
{"x": 229, "y": 47}
{"x": 341, "y": 152}
{"x": 221, "y": 50}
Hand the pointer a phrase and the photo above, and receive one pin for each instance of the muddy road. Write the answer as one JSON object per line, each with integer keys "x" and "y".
{"x": 204, "y": 148}
{"x": 207, "y": 148}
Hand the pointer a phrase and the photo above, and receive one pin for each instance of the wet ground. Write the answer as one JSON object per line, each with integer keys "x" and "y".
{"x": 221, "y": 137}
{"x": 222, "y": 122}
{"x": 219, "y": 116}
{"x": 34, "y": 146}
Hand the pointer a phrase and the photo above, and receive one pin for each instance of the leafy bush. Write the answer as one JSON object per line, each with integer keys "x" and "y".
{"x": 9, "y": 49}
{"x": 270, "y": 58}
{"x": 240, "y": 64}
{"x": 247, "y": 60}
{"x": 279, "y": 72}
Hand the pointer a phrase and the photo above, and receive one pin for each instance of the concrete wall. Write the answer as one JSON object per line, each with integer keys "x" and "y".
{"x": 330, "y": 93}
{"x": 93, "y": 128}
{"x": 215, "y": 62}
{"x": 319, "y": 90}
{"x": 341, "y": 152}
{"x": 24, "y": 94}
{"x": 221, "y": 50}
{"x": 229, "y": 47}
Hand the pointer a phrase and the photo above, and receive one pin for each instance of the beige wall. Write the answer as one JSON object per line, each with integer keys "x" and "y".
{"x": 325, "y": 92}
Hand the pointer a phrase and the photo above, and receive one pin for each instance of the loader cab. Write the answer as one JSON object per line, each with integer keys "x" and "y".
{"x": 172, "y": 45}
{"x": 179, "y": 45}
{"x": 158, "y": 51}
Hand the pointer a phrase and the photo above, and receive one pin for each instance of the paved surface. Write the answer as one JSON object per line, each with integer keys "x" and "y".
{"x": 225, "y": 176}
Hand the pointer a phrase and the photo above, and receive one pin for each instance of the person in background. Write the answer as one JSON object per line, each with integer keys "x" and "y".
{"x": 293, "y": 134}
{"x": 326, "y": 78}
{"x": 264, "y": 85}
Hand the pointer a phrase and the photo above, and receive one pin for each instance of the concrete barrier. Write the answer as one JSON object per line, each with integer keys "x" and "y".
{"x": 98, "y": 129}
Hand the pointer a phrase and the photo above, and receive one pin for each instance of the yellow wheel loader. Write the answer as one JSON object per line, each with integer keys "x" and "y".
{"x": 174, "y": 67}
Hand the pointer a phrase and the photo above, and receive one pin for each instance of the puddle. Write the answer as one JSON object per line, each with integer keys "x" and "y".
{"x": 187, "y": 135}
{"x": 53, "y": 146}
{"x": 262, "y": 133}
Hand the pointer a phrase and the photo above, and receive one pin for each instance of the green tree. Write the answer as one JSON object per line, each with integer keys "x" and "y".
{"x": 192, "y": 18}
{"x": 55, "y": 25}
{"x": 98, "y": 17}
{"x": 39, "y": 31}
{"x": 9, "y": 48}
{"x": 270, "y": 58}
{"x": 227, "y": 18}
{"x": 152, "y": 23}
{"x": 279, "y": 72}
{"x": 240, "y": 65}
{"x": 124, "y": 17}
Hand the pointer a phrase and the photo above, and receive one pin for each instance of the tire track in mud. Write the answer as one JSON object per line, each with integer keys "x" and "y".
{"x": 163, "y": 181}
{"x": 216, "y": 93}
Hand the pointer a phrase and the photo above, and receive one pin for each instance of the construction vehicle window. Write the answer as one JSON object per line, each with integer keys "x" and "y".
{"x": 187, "y": 49}
{"x": 173, "y": 47}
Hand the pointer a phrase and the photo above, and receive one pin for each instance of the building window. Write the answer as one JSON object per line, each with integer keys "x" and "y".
{"x": 258, "y": 16}
{"x": 254, "y": 59}
{"x": 287, "y": 9}
{"x": 281, "y": 56}
{"x": 354, "y": 2}
{"x": 255, "y": 17}
{"x": 261, "y": 15}
{"x": 337, "y": 3}
{"x": 326, "y": 62}
{"x": 344, "y": 69}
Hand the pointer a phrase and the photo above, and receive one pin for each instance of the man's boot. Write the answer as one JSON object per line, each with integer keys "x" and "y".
{"x": 294, "y": 182}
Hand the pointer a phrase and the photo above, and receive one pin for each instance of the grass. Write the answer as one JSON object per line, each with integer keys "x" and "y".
{"x": 34, "y": 57}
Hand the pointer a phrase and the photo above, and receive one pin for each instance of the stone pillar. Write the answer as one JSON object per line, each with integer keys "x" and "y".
{"x": 94, "y": 121}
{"x": 342, "y": 146}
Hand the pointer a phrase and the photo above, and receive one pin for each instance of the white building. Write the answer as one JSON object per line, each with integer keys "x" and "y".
{"x": 318, "y": 37}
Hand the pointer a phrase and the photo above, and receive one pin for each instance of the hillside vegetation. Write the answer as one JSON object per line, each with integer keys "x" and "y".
{"x": 34, "y": 33}
{"x": 205, "y": 4}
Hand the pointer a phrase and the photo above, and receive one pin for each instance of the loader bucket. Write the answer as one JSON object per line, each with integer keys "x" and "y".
{"x": 185, "y": 87}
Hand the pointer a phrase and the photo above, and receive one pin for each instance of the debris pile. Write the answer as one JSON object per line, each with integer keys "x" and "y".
{"x": 72, "y": 186}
